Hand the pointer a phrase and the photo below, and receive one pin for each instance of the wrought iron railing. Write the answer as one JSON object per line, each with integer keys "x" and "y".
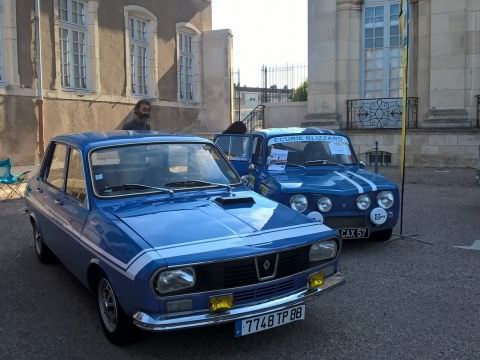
{"x": 255, "y": 119}
{"x": 380, "y": 113}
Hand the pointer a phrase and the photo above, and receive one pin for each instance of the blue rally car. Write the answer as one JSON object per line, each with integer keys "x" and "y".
{"x": 167, "y": 236}
{"x": 317, "y": 173}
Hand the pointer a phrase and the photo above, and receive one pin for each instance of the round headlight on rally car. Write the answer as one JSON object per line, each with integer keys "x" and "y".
{"x": 299, "y": 202}
{"x": 323, "y": 250}
{"x": 175, "y": 280}
{"x": 324, "y": 204}
{"x": 385, "y": 199}
{"x": 363, "y": 202}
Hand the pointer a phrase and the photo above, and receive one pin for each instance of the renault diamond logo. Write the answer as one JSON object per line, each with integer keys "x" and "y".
{"x": 266, "y": 265}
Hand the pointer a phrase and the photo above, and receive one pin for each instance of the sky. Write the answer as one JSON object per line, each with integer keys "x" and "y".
{"x": 265, "y": 32}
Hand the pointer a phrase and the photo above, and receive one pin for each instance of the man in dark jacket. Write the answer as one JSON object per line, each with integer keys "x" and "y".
{"x": 140, "y": 121}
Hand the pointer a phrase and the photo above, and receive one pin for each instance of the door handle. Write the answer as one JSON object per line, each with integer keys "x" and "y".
{"x": 58, "y": 202}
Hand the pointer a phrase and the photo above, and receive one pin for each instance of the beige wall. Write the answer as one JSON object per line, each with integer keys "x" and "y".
{"x": 18, "y": 129}
{"x": 285, "y": 114}
{"x": 444, "y": 70}
{"x": 436, "y": 148}
{"x": 111, "y": 106}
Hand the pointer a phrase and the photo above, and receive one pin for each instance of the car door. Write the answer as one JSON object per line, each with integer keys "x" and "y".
{"x": 237, "y": 148}
{"x": 72, "y": 211}
{"x": 50, "y": 187}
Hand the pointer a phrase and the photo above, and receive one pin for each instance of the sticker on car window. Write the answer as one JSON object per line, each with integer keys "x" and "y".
{"x": 98, "y": 176}
{"x": 337, "y": 148}
{"x": 278, "y": 159}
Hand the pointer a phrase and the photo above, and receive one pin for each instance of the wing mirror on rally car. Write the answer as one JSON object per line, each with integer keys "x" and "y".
{"x": 362, "y": 164}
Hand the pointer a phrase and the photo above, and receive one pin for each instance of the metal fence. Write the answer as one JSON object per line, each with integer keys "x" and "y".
{"x": 279, "y": 82}
{"x": 380, "y": 113}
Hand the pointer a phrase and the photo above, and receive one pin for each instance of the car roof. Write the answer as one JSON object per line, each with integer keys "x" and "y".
{"x": 94, "y": 139}
{"x": 297, "y": 131}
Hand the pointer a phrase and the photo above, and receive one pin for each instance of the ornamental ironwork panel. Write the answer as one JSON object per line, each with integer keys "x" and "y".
{"x": 380, "y": 113}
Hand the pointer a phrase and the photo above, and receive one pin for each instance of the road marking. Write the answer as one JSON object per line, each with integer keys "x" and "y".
{"x": 475, "y": 246}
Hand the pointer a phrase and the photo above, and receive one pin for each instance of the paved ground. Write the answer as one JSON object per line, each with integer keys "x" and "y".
{"x": 403, "y": 300}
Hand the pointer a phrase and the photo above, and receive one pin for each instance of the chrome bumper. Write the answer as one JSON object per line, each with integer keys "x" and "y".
{"x": 164, "y": 323}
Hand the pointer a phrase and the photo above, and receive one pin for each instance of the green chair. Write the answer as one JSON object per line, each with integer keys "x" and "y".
{"x": 9, "y": 183}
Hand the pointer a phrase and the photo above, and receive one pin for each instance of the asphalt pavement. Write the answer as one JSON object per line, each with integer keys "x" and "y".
{"x": 412, "y": 298}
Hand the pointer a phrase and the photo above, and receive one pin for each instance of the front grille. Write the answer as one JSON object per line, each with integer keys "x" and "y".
{"x": 243, "y": 272}
{"x": 345, "y": 222}
{"x": 264, "y": 292}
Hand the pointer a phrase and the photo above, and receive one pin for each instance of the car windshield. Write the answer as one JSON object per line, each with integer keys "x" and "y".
{"x": 308, "y": 150}
{"x": 159, "y": 167}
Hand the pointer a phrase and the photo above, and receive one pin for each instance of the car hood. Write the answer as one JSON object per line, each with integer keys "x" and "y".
{"x": 198, "y": 230}
{"x": 330, "y": 182}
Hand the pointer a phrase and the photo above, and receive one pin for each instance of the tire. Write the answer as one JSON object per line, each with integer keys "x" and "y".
{"x": 44, "y": 254}
{"x": 116, "y": 324}
{"x": 382, "y": 235}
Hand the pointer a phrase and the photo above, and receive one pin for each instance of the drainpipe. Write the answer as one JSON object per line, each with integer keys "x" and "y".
{"x": 38, "y": 60}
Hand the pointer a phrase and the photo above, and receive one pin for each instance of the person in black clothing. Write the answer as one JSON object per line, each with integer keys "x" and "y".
{"x": 142, "y": 111}
{"x": 237, "y": 127}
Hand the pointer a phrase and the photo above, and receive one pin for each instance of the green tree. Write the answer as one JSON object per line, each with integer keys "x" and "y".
{"x": 301, "y": 93}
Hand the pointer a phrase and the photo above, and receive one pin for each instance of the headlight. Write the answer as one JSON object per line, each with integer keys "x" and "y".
{"x": 324, "y": 204}
{"x": 363, "y": 202}
{"x": 323, "y": 250}
{"x": 299, "y": 202}
{"x": 385, "y": 199}
{"x": 175, "y": 280}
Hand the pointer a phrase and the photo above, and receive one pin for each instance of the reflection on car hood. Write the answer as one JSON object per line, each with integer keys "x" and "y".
{"x": 200, "y": 229}
{"x": 332, "y": 182}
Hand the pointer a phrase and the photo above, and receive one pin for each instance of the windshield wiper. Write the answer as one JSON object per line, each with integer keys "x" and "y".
{"x": 321, "y": 162}
{"x": 196, "y": 183}
{"x": 293, "y": 164}
{"x": 135, "y": 186}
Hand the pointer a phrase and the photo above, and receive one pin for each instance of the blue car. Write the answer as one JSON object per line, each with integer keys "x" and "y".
{"x": 167, "y": 236}
{"x": 316, "y": 173}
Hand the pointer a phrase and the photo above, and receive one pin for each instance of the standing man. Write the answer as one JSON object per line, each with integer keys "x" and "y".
{"x": 142, "y": 112}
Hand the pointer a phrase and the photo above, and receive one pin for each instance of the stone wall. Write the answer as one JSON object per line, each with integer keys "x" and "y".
{"x": 285, "y": 114}
{"x": 439, "y": 148}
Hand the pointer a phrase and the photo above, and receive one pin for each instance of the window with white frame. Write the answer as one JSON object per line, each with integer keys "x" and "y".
{"x": 73, "y": 38}
{"x": 382, "y": 72}
{"x": 185, "y": 67}
{"x": 138, "y": 41}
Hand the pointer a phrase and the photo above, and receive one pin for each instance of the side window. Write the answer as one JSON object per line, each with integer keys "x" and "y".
{"x": 75, "y": 179}
{"x": 235, "y": 147}
{"x": 257, "y": 150}
{"x": 56, "y": 169}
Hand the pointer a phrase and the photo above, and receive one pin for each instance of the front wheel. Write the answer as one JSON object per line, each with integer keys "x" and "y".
{"x": 382, "y": 235}
{"x": 116, "y": 324}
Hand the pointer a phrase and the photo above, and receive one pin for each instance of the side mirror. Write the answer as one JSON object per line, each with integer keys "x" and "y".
{"x": 362, "y": 165}
{"x": 251, "y": 167}
{"x": 244, "y": 179}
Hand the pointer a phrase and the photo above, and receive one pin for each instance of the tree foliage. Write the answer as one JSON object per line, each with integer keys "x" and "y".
{"x": 301, "y": 93}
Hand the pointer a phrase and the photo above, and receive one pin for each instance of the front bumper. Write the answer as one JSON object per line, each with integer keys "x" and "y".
{"x": 164, "y": 323}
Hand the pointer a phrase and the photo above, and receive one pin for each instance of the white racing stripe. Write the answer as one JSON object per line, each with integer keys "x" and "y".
{"x": 372, "y": 185}
{"x": 357, "y": 185}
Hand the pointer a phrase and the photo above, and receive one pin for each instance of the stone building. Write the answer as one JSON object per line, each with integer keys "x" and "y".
{"x": 355, "y": 77}
{"x": 99, "y": 57}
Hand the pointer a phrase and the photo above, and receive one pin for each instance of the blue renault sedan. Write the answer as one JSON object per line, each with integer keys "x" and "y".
{"x": 167, "y": 236}
{"x": 316, "y": 173}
